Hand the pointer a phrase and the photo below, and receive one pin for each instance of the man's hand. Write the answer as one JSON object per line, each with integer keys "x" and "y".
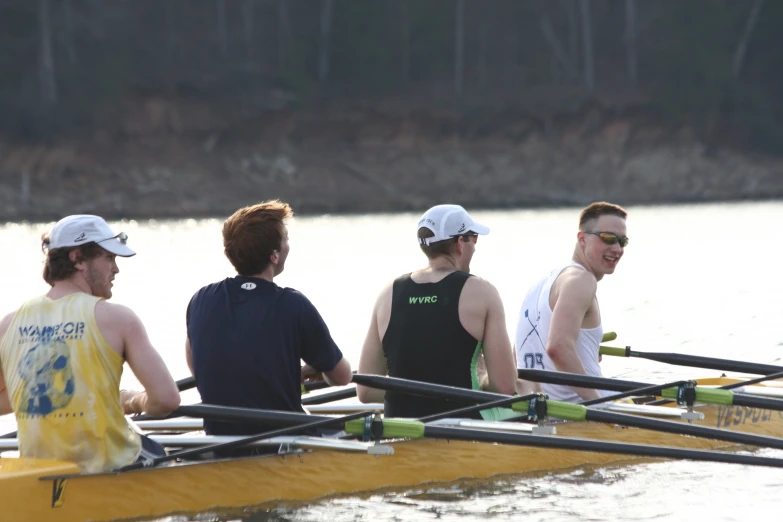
{"x": 310, "y": 374}
{"x": 129, "y": 402}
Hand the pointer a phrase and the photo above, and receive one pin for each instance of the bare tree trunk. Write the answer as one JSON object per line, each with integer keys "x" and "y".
{"x": 220, "y": 7}
{"x": 573, "y": 31}
{"x": 327, "y": 7}
{"x": 630, "y": 40}
{"x": 557, "y": 48}
{"x": 483, "y": 51}
{"x": 587, "y": 44}
{"x": 46, "y": 63}
{"x": 69, "y": 45}
{"x": 247, "y": 19}
{"x": 742, "y": 47}
{"x": 171, "y": 37}
{"x": 283, "y": 34}
{"x": 459, "y": 48}
{"x": 405, "y": 47}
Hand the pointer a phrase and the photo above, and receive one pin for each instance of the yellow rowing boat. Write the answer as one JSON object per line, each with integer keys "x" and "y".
{"x": 311, "y": 467}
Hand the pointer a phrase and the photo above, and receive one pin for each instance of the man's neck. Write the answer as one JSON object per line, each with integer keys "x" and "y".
{"x": 579, "y": 257}
{"x": 443, "y": 264}
{"x": 67, "y": 287}
{"x": 267, "y": 275}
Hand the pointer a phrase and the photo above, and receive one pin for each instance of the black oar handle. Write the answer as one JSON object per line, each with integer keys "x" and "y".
{"x": 682, "y": 428}
{"x": 247, "y": 440}
{"x": 190, "y": 382}
{"x": 575, "y": 379}
{"x": 568, "y": 443}
{"x": 711, "y": 363}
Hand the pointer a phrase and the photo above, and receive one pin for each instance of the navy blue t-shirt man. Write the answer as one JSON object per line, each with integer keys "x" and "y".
{"x": 247, "y": 336}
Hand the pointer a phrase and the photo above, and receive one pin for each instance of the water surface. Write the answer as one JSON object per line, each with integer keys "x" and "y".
{"x": 702, "y": 280}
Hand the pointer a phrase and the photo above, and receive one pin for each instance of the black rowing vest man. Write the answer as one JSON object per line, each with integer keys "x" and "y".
{"x": 440, "y": 324}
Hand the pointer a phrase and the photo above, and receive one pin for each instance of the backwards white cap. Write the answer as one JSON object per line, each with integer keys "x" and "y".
{"x": 448, "y": 221}
{"x": 80, "y": 229}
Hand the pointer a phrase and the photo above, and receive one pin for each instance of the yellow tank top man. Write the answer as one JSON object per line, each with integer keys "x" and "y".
{"x": 62, "y": 356}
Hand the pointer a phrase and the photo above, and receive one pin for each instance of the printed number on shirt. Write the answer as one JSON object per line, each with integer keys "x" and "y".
{"x": 534, "y": 360}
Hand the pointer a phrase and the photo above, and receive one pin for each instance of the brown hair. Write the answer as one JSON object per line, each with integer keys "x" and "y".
{"x": 433, "y": 250}
{"x": 252, "y": 233}
{"x": 58, "y": 265}
{"x": 600, "y": 208}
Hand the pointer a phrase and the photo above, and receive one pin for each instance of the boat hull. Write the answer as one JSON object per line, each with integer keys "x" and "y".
{"x": 33, "y": 489}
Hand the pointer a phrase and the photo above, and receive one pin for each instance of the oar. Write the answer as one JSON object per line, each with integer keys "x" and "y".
{"x": 190, "y": 382}
{"x": 694, "y": 361}
{"x": 569, "y": 411}
{"x": 186, "y": 384}
{"x": 182, "y": 385}
{"x": 405, "y": 428}
{"x": 331, "y": 396}
{"x": 247, "y": 440}
{"x": 707, "y": 395}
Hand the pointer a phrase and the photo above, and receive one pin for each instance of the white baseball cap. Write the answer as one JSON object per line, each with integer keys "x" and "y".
{"x": 448, "y": 221}
{"x": 80, "y": 229}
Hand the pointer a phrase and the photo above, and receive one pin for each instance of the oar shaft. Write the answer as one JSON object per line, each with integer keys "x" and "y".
{"x": 575, "y": 379}
{"x": 248, "y": 415}
{"x": 696, "y": 361}
{"x": 426, "y": 389}
{"x": 547, "y": 441}
{"x": 325, "y": 397}
{"x": 602, "y": 383}
{"x": 683, "y": 428}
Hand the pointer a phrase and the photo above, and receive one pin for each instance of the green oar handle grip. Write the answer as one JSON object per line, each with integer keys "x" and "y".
{"x": 561, "y": 410}
{"x": 392, "y": 428}
{"x": 612, "y": 350}
{"x": 706, "y": 395}
{"x": 609, "y": 336}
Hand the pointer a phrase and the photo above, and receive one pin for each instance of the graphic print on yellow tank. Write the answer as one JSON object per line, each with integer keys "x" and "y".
{"x": 63, "y": 381}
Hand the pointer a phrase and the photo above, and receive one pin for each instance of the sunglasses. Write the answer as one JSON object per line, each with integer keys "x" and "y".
{"x": 468, "y": 237}
{"x": 122, "y": 237}
{"x": 611, "y": 239}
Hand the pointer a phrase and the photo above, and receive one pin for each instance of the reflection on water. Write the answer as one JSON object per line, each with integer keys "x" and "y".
{"x": 701, "y": 279}
{"x": 654, "y": 491}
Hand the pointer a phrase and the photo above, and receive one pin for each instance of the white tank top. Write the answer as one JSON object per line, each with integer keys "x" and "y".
{"x": 533, "y": 331}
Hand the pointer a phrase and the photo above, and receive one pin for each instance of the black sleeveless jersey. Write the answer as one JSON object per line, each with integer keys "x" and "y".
{"x": 425, "y": 341}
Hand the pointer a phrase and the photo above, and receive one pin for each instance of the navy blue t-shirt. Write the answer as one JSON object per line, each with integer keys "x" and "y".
{"x": 247, "y": 337}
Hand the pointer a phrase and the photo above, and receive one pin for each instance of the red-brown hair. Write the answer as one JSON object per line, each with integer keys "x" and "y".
{"x": 252, "y": 233}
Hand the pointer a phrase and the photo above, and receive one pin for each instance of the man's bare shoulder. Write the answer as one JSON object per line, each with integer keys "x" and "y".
{"x": 5, "y": 322}
{"x": 479, "y": 286}
{"x": 115, "y": 312}
{"x": 574, "y": 279}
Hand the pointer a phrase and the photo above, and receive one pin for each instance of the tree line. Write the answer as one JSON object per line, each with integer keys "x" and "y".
{"x": 717, "y": 64}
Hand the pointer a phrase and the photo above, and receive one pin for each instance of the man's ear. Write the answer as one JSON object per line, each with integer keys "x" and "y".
{"x": 76, "y": 258}
{"x": 274, "y": 257}
{"x": 580, "y": 238}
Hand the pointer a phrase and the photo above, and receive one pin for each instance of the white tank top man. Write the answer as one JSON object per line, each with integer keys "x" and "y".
{"x": 559, "y": 326}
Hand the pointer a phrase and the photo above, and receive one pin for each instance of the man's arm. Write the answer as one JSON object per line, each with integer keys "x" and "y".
{"x": 319, "y": 351}
{"x": 498, "y": 355}
{"x": 189, "y": 356}
{"x": 340, "y": 375}
{"x": 372, "y": 360}
{"x": 160, "y": 395}
{"x": 5, "y": 400}
{"x": 576, "y": 291}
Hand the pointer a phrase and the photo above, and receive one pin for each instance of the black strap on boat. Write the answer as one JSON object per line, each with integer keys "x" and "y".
{"x": 537, "y": 409}
{"x": 686, "y": 394}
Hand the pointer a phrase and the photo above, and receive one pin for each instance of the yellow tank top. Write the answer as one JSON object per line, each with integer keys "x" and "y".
{"x": 63, "y": 381}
